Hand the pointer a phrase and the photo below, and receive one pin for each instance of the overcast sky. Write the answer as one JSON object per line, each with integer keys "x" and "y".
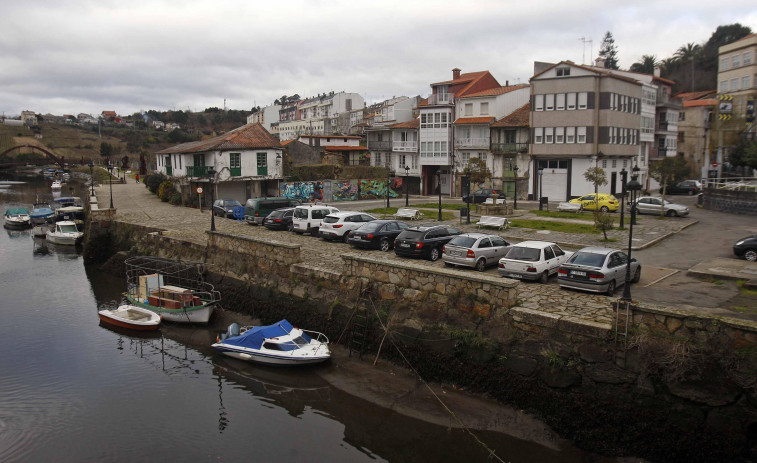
{"x": 67, "y": 57}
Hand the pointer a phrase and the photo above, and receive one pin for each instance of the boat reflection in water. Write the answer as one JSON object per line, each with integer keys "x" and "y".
{"x": 45, "y": 249}
{"x": 16, "y": 234}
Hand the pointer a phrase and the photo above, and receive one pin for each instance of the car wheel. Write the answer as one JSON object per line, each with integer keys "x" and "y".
{"x": 544, "y": 277}
{"x": 345, "y": 237}
{"x": 611, "y": 288}
{"x": 433, "y": 255}
{"x": 636, "y": 275}
{"x": 751, "y": 255}
{"x": 290, "y": 227}
{"x": 604, "y": 209}
{"x": 481, "y": 265}
{"x": 671, "y": 213}
{"x": 691, "y": 193}
{"x": 384, "y": 245}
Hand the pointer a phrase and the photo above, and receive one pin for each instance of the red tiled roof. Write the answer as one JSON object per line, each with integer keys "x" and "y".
{"x": 496, "y": 91}
{"x": 331, "y": 136}
{"x": 518, "y": 118}
{"x": 746, "y": 37}
{"x": 411, "y": 124}
{"x": 250, "y": 136}
{"x": 695, "y": 103}
{"x": 474, "y": 120}
{"x": 686, "y": 96}
{"x": 346, "y": 148}
{"x": 284, "y": 143}
{"x": 109, "y": 113}
{"x": 467, "y": 77}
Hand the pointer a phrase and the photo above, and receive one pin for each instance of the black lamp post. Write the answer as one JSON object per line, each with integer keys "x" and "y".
{"x": 439, "y": 185}
{"x": 211, "y": 174}
{"x": 541, "y": 173}
{"x": 633, "y": 188}
{"x": 407, "y": 187}
{"x": 515, "y": 188}
{"x": 388, "y": 178}
{"x": 110, "y": 183}
{"x": 92, "y": 179}
{"x": 634, "y": 209}
{"x": 623, "y": 180}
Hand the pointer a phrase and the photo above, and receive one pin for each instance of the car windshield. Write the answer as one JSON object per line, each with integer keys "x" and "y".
{"x": 301, "y": 213}
{"x": 232, "y": 203}
{"x": 276, "y": 214}
{"x": 411, "y": 235}
{"x": 371, "y": 226}
{"x": 588, "y": 259}
{"x": 463, "y": 241}
{"x": 523, "y": 253}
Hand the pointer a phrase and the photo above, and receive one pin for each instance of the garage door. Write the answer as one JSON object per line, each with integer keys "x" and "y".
{"x": 555, "y": 184}
{"x": 232, "y": 190}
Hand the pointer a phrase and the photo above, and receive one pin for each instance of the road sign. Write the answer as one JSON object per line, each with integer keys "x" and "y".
{"x": 199, "y": 190}
{"x": 715, "y": 164}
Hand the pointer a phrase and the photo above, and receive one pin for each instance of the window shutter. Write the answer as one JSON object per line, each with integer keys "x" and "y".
{"x": 604, "y": 135}
{"x": 590, "y": 100}
{"x": 604, "y": 101}
{"x": 590, "y": 132}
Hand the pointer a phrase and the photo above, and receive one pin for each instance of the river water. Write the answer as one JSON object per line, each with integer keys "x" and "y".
{"x": 74, "y": 390}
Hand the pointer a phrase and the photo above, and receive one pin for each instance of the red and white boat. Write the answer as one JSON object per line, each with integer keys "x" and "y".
{"x": 131, "y": 317}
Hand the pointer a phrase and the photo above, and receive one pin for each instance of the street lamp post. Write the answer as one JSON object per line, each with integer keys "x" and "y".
{"x": 388, "y": 175}
{"x": 623, "y": 180}
{"x": 515, "y": 188}
{"x": 211, "y": 174}
{"x": 633, "y": 188}
{"x": 439, "y": 185}
{"x": 407, "y": 186}
{"x": 92, "y": 178}
{"x": 541, "y": 173}
{"x": 110, "y": 183}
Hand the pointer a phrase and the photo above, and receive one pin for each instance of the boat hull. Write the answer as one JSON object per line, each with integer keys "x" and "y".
{"x": 259, "y": 357}
{"x": 196, "y": 314}
{"x": 16, "y": 224}
{"x": 148, "y": 322}
{"x": 68, "y": 240}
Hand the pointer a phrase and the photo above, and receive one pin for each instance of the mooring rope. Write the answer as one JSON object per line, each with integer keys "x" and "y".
{"x": 439, "y": 399}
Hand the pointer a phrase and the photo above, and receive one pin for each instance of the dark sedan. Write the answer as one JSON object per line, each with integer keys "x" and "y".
{"x": 746, "y": 248}
{"x": 479, "y": 196}
{"x": 377, "y": 234}
{"x": 280, "y": 219}
{"x": 687, "y": 187}
{"x": 424, "y": 241}
{"x": 225, "y": 207}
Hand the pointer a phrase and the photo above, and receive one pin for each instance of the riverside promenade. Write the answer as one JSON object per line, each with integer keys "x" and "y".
{"x": 135, "y": 204}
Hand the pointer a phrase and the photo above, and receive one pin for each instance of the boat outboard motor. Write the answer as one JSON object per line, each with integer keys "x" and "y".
{"x": 231, "y": 331}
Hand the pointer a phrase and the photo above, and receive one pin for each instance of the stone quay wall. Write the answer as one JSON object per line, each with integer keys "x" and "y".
{"x": 732, "y": 201}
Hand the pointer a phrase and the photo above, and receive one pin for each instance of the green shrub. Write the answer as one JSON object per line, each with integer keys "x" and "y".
{"x": 153, "y": 182}
{"x": 175, "y": 198}
{"x": 164, "y": 191}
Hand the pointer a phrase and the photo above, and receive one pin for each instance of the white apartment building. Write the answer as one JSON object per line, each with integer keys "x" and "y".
{"x": 266, "y": 116}
{"x": 311, "y": 113}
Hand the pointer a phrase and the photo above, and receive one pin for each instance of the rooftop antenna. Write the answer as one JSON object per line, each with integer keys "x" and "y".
{"x": 591, "y": 48}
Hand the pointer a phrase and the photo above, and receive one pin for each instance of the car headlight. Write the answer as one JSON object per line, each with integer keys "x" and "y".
{"x": 739, "y": 243}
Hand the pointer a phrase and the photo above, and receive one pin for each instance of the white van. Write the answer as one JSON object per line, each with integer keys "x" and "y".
{"x": 308, "y": 218}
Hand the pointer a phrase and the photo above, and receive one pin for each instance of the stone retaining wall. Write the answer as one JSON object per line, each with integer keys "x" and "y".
{"x": 734, "y": 202}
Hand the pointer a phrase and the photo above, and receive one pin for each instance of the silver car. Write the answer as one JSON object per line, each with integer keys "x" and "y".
{"x": 475, "y": 250}
{"x": 532, "y": 260}
{"x": 653, "y": 205}
{"x": 596, "y": 269}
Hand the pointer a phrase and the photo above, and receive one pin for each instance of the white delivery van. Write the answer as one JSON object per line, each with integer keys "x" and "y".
{"x": 308, "y": 218}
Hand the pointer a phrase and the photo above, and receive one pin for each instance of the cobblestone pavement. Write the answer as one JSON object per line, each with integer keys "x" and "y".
{"x": 135, "y": 204}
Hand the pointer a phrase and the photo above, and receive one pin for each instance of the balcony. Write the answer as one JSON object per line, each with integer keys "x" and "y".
{"x": 472, "y": 143}
{"x": 379, "y": 145}
{"x": 443, "y": 98}
{"x": 197, "y": 171}
{"x": 502, "y": 148}
{"x": 406, "y": 146}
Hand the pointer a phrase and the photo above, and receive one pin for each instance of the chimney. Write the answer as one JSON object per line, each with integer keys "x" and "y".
{"x": 657, "y": 71}
{"x": 599, "y": 62}
{"x": 455, "y": 73}
{"x": 507, "y": 83}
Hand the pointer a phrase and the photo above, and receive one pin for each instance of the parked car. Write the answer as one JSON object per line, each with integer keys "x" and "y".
{"x": 475, "y": 250}
{"x": 424, "y": 241}
{"x": 256, "y": 209}
{"x": 379, "y": 234}
{"x": 308, "y": 217}
{"x": 337, "y": 225}
{"x": 607, "y": 202}
{"x": 532, "y": 260}
{"x": 746, "y": 248}
{"x": 225, "y": 207}
{"x": 479, "y": 196}
{"x": 596, "y": 269}
{"x": 280, "y": 219}
{"x": 653, "y": 205}
{"x": 687, "y": 187}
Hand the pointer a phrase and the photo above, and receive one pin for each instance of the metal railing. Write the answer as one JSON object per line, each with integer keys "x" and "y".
{"x": 411, "y": 146}
{"x": 197, "y": 171}
{"x": 510, "y": 147}
{"x": 379, "y": 145}
{"x": 472, "y": 142}
{"x": 443, "y": 98}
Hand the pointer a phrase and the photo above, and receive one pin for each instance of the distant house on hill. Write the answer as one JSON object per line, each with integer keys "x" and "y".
{"x": 108, "y": 114}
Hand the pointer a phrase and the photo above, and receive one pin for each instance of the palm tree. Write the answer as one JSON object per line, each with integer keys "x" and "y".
{"x": 689, "y": 52}
{"x": 645, "y": 65}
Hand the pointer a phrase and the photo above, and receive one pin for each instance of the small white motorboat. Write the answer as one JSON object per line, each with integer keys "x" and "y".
{"x": 65, "y": 232}
{"x": 56, "y": 185}
{"x": 16, "y": 218}
{"x": 277, "y": 344}
{"x": 131, "y": 317}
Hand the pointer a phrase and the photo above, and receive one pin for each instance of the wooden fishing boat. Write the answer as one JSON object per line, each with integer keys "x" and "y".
{"x": 131, "y": 317}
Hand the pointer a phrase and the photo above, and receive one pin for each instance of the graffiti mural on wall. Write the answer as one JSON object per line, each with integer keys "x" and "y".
{"x": 344, "y": 190}
{"x": 376, "y": 188}
{"x": 304, "y": 191}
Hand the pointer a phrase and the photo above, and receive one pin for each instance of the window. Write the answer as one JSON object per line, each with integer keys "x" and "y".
{"x": 570, "y": 135}
{"x": 378, "y": 156}
{"x": 559, "y": 134}
{"x": 582, "y": 100}
{"x": 736, "y": 61}
{"x": 571, "y": 101}
{"x": 262, "y": 163}
{"x": 625, "y": 163}
{"x": 723, "y": 86}
{"x": 747, "y": 58}
{"x": 482, "y": 156}
{"x": 682, "y": 116}
{"x": 549, "y": 104}
{"x": 538, "y": 102}
{"x": 465, "y": 157}
{"x": 734, "y": 84}
{"x": 548, "y": 134}
{"x": 484, "y": 109}
{"x": 745, "y": 82}
{"x": 680, "y": 137}
{"x": 468, "y": 109}
{"x": 538, "y": 135}
{"x": 581, "y": 134}
{"x": 235, "y": 163}
{"x": 563, "y": 72}
{"x": 560, "y": 102}
{"x": 604, "y": 163}
{"x": 614, "y": 163}
{"x": 613, "y": 101}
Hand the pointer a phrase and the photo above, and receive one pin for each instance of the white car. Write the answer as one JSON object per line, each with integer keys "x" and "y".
{"x": 653, "y": 205}
{"x": 308, "y": 217}
{"x": 532, "y": 260}
{"x": 337, "y": 226}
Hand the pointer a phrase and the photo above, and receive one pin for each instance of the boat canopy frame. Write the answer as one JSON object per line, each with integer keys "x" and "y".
{"x": 185, "y": 274}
